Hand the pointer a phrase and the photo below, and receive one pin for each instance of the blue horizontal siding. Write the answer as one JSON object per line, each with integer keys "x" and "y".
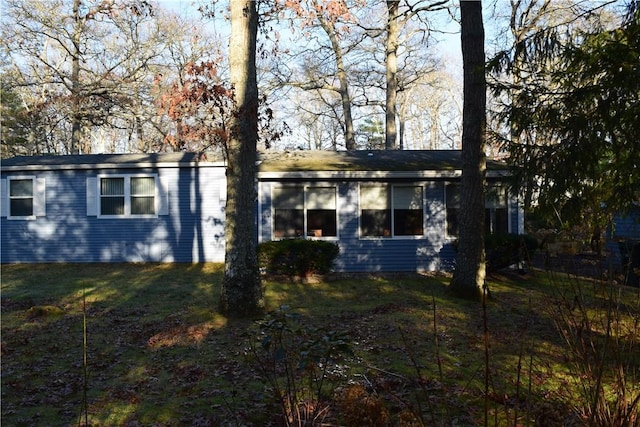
{"x": 192, "y": 232}
{"x": 625, "y": 230}
{"x": 428, "y": 253}
{"x": 627, "y": 226}
{"x": 431, "y": 252}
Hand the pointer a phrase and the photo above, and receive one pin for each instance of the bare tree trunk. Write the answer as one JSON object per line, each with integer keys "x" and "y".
{"x": 391, "y": 78}
{"x": 469, "y": 275}
{"x": 242, "y": 293}
{"x": 76, "y": 115}
{"x": 345, "y": 96}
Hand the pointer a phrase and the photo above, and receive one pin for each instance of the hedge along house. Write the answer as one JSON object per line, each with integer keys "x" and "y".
{"x": 387, "y": 210}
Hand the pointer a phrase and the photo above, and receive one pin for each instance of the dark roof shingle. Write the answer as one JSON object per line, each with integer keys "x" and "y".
{"x": 274, "y": 161}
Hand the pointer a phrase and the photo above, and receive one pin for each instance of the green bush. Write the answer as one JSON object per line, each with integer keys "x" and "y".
{"x": 503, "y": 250}
{"x": 297, "y": 257}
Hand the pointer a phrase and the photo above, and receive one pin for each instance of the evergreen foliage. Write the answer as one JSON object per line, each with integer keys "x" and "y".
{"x": 574, "y": 125}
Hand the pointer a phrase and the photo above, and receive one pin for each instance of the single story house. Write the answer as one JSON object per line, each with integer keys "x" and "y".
{"x": 387, "y": 210}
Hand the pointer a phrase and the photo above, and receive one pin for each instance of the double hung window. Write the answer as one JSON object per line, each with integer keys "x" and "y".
{"x": 21, "y": 195}
{"x": 127, "y": 196}
{"x": 388, "y": 211}
{"x": 304, "y": 211}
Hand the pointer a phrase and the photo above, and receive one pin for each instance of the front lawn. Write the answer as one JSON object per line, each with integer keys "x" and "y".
{"x": 352, "y": 350}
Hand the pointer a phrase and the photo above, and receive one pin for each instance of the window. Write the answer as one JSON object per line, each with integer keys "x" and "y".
{"x": 21, "y": 197}
{"x": 300, "y": 211}
{"x": 143, "y": 191}
{"x": 321, "y": 211}
{"x": 381, "y": 206}
{"x": 496, "y": 219}
{"x": 496, "y": 212}
{"x": 127, "y": 195}
{"x": 112, "y": 196}
{"x": 452, "y": 199}
{"x": 288, "y": 206}
{"x": 375, "y": 211}
{"x": 407, "y": 211}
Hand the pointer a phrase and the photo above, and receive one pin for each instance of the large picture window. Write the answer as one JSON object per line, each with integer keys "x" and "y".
{"x": 304, "y": 211}
{"x": 127, "y": 196}
{"x": 387, "y": 211}
{"x": 495, "y": 213}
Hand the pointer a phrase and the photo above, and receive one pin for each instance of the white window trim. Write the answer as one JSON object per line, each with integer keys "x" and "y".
{"x": 304, "y": 188}
{"x": 393, "y": 236}
{"x": 127, "y": 196}
{"x": 38, "y": 196}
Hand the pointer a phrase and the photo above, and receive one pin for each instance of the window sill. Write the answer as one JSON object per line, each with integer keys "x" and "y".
{"x": 127, "y": 216}
{"x": 22, "y": 218}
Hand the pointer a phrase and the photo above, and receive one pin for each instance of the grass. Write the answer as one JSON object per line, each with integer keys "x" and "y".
{"x": 159, "y": 353}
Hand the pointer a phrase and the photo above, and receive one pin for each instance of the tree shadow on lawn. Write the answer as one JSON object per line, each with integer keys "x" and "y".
{"x": 160, "y": 353}
{"x": 150, "y": 330}
{"x": 157, "y": 350}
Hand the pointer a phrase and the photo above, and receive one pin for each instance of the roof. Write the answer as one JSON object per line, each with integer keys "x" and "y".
{"x": 366, "y": 160}
{"x": 276, "y": 162}
{"x": 90, "y": 161}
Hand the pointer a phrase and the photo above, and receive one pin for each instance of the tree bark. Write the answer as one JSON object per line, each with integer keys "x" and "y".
{"x": 242, "y": 293}
{"x": 76, "y": 114}
{"x": 343, "y": 90}
{"x": 469, "y": 275}
{"x": 391, "y": 76}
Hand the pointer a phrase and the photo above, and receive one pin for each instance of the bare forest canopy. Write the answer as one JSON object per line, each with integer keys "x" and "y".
{"x": 96, "y": 76}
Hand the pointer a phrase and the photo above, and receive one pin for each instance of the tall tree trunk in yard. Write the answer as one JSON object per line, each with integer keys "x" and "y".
{"x": 469, "y": 275}
{"x": 391, "y": 75}
{"x": 242, "y": 293}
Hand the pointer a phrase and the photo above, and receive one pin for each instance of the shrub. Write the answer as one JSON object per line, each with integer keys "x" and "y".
{"x": 303, "y": 365}
{"x": 602, "y": 347}
{"x": 361, "y": 408}
{"x": 503, "y": 250}
{"x": 297, "y": 257}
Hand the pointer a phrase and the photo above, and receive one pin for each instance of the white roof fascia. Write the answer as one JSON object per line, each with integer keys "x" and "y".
{"x": 372, "y": 174}
{"x": 94, "y": 166}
